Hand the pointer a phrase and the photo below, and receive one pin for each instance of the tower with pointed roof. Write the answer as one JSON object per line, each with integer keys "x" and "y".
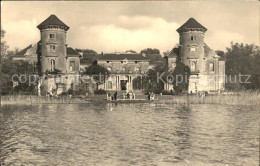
{"x": 191, "y": 43}
{"x": 53, "y": 45}
{"x": 207, "y": 69}
{"x": 55, "y": 58}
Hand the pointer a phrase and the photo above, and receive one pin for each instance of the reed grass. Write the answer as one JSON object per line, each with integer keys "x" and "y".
{"x": 32, "y": 99}
{"x": 240, "y": 98}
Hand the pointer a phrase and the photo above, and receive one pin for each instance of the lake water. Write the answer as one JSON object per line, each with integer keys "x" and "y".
{"x": 129, "y": 134}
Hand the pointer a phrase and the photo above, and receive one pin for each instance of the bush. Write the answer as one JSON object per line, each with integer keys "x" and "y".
{"x": 100, "y": 92}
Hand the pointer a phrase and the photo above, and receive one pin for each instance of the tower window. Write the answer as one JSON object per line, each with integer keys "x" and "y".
{"x": 52, "y": 36}
{"x": 193, "y": 49}
{"x": 193, "y": 38}
{"x": 72, "y": 65}
{"x": 52, "y": 47}
{"x": 52, "y": 65}
{"x": 193, "y": 65}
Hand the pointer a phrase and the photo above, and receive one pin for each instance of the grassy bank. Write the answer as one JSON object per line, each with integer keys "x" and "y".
{"x": 241, "y": 98}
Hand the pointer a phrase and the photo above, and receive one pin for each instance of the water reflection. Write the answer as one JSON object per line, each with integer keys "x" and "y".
{"x": 128, "y": 134}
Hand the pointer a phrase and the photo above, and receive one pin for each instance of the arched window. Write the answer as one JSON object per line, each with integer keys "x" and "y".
{"x": 52, "y": 65}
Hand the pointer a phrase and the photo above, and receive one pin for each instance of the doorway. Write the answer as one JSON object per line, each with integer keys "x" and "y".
{"x": 123, "y": 84}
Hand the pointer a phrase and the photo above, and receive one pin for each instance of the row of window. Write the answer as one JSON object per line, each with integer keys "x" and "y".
{"x": 137, "y": 69}
{"x": 193, "y": 66}
{"x": 124, "y": 62}
{"x": 72, "y": 66}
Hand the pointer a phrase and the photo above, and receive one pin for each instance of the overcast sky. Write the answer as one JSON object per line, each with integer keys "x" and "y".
{"x": 119, "y": 26}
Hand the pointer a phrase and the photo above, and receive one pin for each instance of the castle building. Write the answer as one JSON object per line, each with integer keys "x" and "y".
{"x": 207, "y": 69}
{"x": 125, "y": 70}
{"x": 54, "y": 57}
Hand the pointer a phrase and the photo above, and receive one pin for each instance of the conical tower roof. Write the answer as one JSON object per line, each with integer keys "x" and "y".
{"x": 52, "y": 20}
{"x": 191, "y": 24}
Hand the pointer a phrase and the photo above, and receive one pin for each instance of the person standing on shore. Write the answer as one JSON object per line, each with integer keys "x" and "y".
{"x": 115, "y": 95}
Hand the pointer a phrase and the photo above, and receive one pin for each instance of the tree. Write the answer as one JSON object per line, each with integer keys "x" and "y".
{"x": 151, "y": 82}
{"x": 152, "y": 54}
{"x": 11, "y": 71}
{"x": 220, "y": 53}
{"x": 89, "y": 56}
{"x": 181, "y": 76}
{"x": 98, "y": 73}
{"x": 4, "y": 46}
{"x": 242, "y": 59}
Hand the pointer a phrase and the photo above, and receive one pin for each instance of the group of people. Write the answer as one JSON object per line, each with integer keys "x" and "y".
{"x": 129, "y": 95}
{"x": 150, "y": 96}
{"x": 112, "y": 97}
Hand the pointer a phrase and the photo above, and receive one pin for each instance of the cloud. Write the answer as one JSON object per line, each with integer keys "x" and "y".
{"x": 222, "y": 39}
{"x": 21, "y": 33}
{"x": 134, "y": 33}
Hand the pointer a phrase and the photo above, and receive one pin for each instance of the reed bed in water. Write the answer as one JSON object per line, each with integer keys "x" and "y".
{"x": 239, "y": 98}
{"x": 32, "y": 99}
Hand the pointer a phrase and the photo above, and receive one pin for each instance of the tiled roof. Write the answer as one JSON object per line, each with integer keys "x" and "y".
{"x": 52, "y": 20}
{"x": 173, "y": 53}
{"x": 191, "y": 24}
{"x": 206, "y": 48}
{"x": 72, "y": 53}
{"x": 22, "y": 52}
{"x": 121, "y": 57}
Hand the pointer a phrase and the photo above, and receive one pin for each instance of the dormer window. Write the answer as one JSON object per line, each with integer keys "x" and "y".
{"x": 193, "y": 38}
{"x": 52, "y": 36}
{"x": 124, "y": 62}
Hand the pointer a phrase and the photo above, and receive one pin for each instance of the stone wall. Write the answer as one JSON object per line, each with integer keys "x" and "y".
{"x": 58, "y": 54}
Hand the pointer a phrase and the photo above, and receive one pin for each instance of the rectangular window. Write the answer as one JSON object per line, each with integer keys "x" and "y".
{"x": 52, "y": 47}
{"x": 107, "y": 61}
{"x": 52, "y": 36}
{"x": 193, "y": 49}
{"x": 109, "y": 85}
{"x": 72, "y": 65}
{"x": 193, "y": 66}
{"x": 211, "y": 67}
{"x": 193, "y": 38}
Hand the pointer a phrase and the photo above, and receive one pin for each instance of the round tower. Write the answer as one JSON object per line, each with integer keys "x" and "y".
{"x": 191, "y": 42}
{"x": 53, "y": 45}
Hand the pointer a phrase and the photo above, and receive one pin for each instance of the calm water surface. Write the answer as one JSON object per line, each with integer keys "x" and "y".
{"x": 129, "y": 134}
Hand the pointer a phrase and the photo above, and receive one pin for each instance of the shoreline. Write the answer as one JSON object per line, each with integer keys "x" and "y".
{"x": 243, "y": 98}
